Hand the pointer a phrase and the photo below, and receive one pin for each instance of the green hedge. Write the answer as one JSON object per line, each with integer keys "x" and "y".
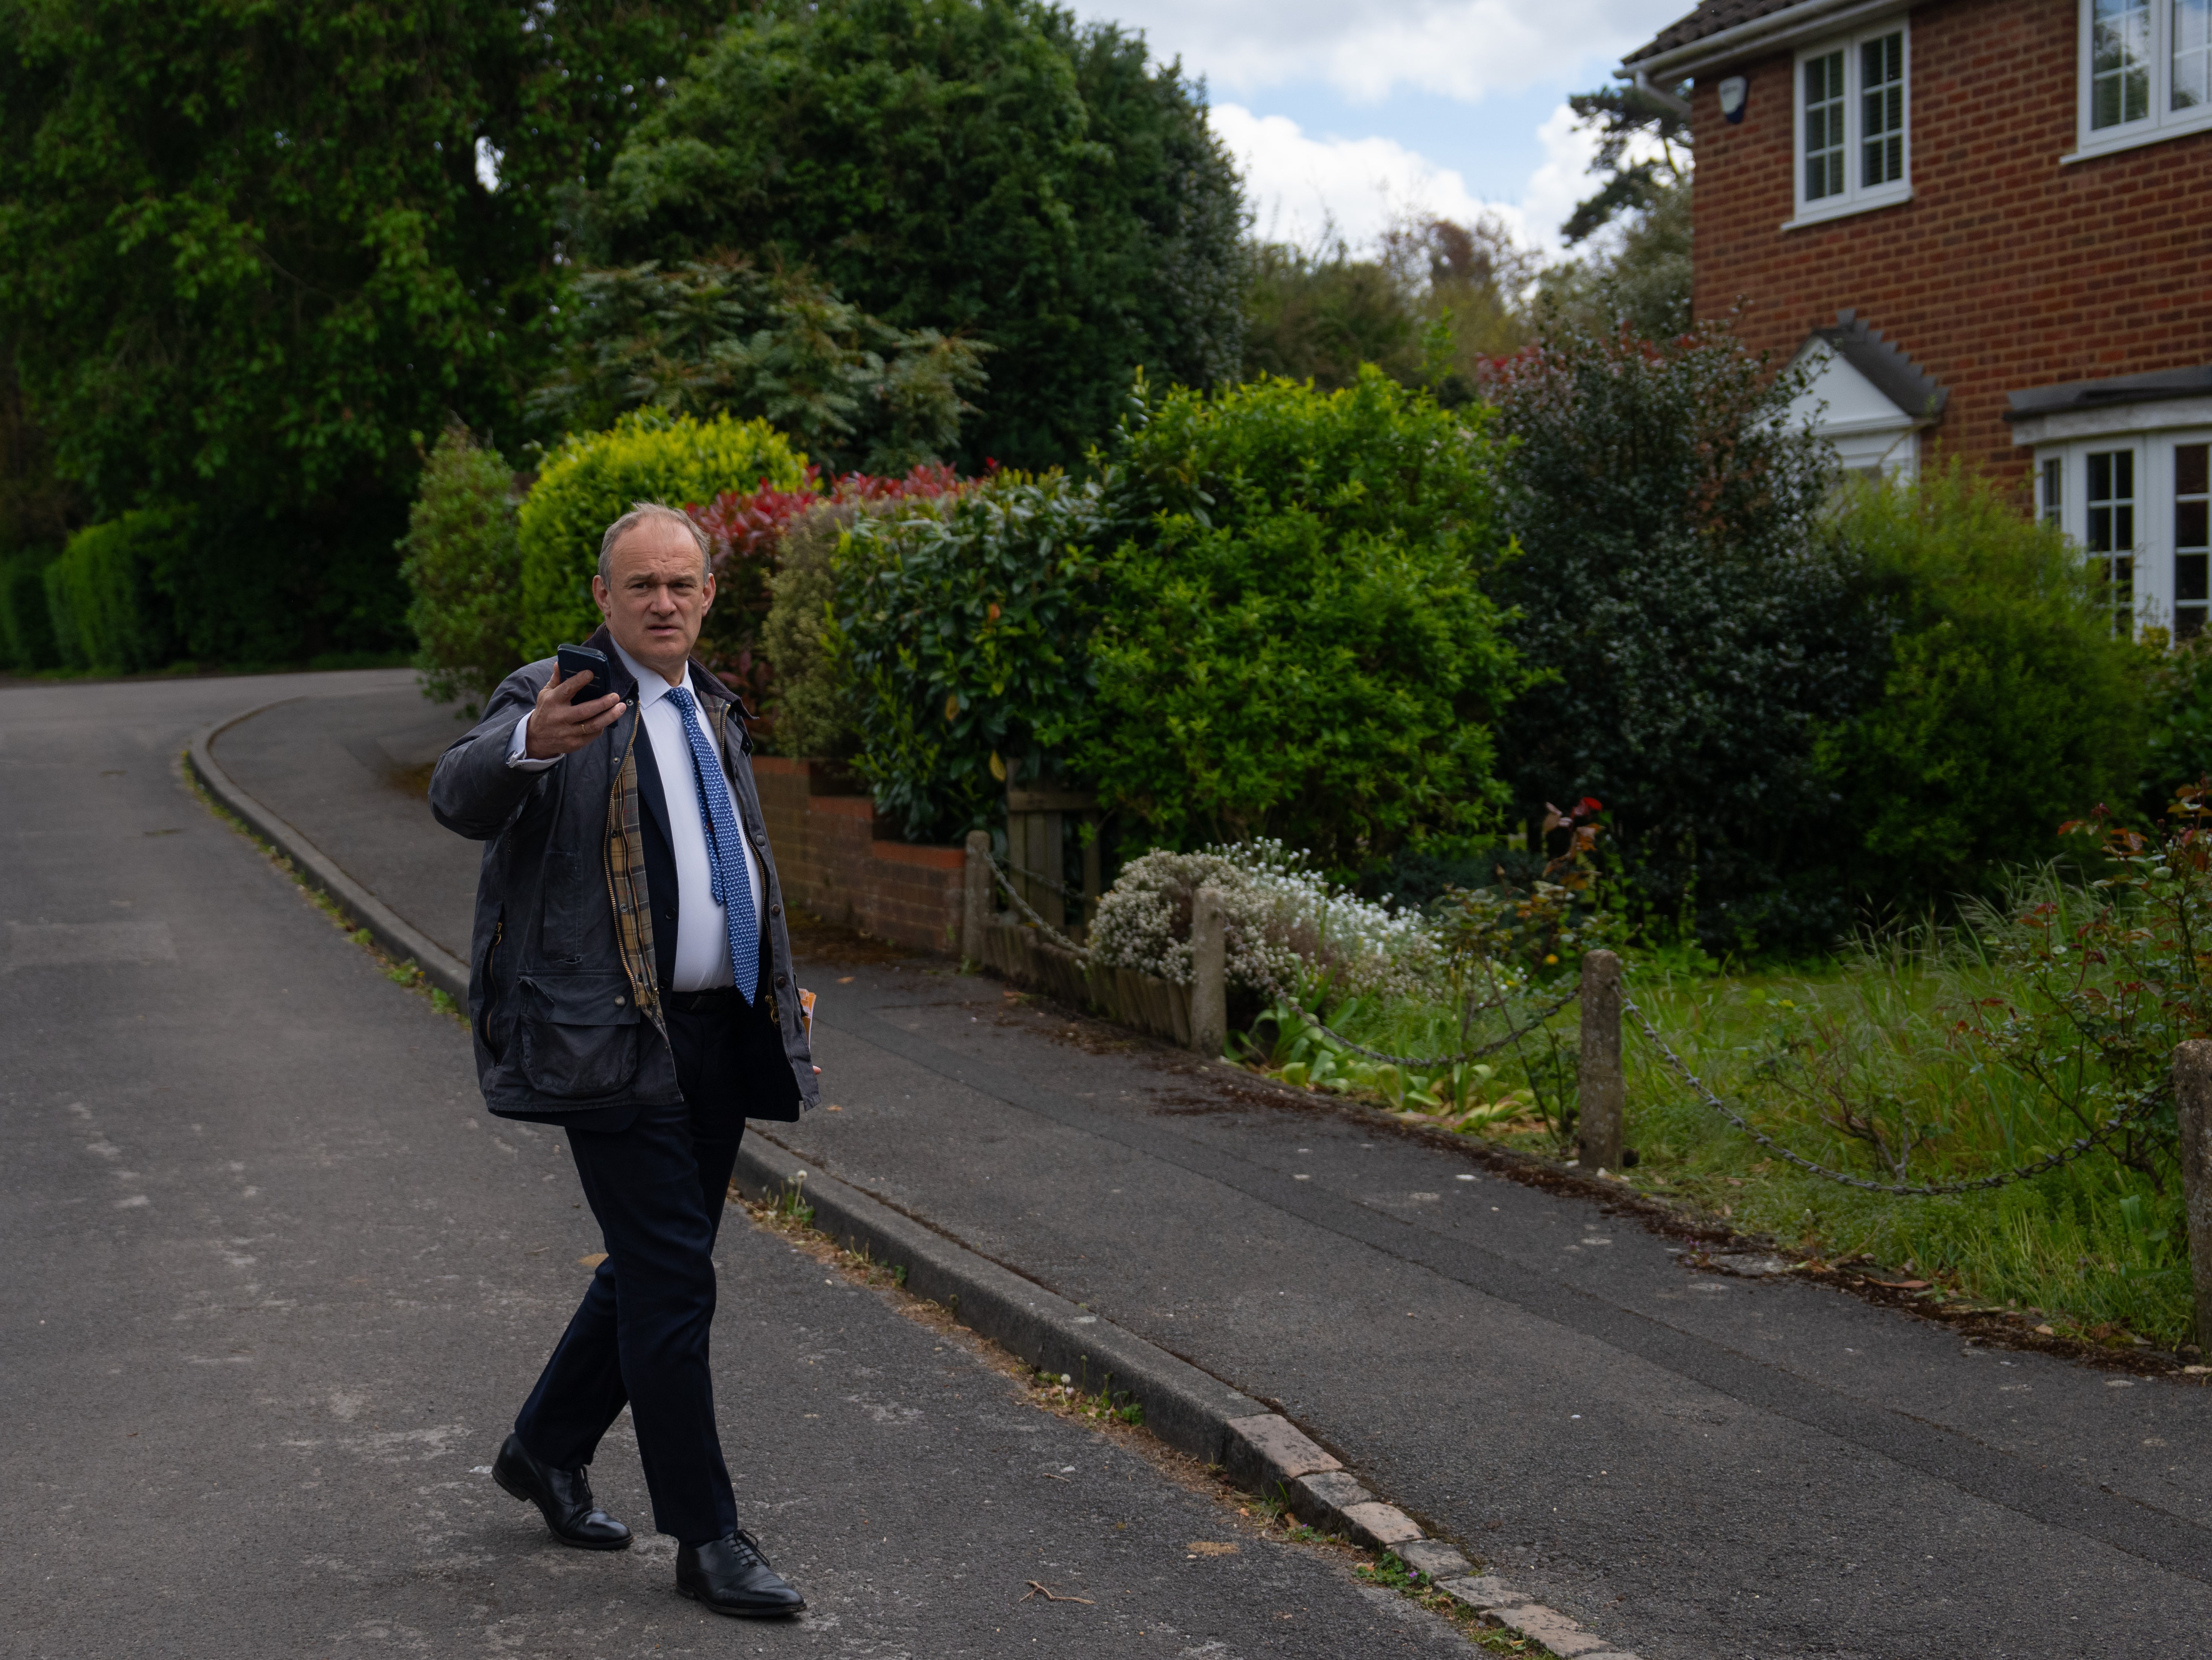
{"x": 1264, "y": 618}
{"x": 1294, "y": 639}
{"x": 591, "y": 480}
{"x": 26, "y": 626}
{"x": 465, "y": 568}
{"x": 961, "y": 632}
{"x": 105, "y": 594}
{"x": 2006, "y": 704}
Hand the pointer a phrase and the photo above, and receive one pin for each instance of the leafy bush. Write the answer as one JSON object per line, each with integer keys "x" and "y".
{"x": 815, "y": 711}
{"x": 591, "y": 480}
{"x": 2177, "y": 710}
{"x": 2005, "y": 703}
{"x": 960, "y": 630}
{"x": 105, "y": 594}
{"x": 465, "y": 568}
{"x": 717, "y": 336}
{"x": 1293, "y": 639}
{"x": 984, "y": 167}
{"x": 1696, "y": 632}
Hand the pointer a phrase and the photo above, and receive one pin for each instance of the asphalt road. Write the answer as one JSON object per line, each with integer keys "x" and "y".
{"x": 277, "y": 1283}
{"x": 1691, "y": 1466}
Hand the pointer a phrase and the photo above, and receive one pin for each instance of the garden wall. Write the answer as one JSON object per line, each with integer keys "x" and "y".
{"x": 834, "y": 860}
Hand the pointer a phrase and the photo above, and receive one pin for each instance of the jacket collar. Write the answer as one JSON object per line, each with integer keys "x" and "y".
{"x": 709, "y": 688}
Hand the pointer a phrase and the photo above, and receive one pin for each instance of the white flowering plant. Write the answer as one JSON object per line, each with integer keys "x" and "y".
{"x": 1286, "y": 925}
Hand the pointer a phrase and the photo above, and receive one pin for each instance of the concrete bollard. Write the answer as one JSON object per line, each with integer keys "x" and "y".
{"x": 976, "y": 906}
{"x": 2192, "y": 1111}
{"x": 1603, "y": 1091}
{"x": 1209, "y": 981}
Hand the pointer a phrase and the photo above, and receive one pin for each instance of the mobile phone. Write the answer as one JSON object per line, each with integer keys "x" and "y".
{"x": 584, "y": 660}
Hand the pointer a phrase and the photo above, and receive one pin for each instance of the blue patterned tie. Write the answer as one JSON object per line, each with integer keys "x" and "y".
{"x": 725, "y": 849}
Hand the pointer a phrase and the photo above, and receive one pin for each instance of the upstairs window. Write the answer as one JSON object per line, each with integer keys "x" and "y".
{"x": 1854, "y": 145}
{"x": 2146, "y": 71}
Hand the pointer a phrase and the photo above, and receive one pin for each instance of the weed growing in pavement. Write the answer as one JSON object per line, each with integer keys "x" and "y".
{"x": 790, "y": 1207}
{"x": 1106, "y": 1405}
{"x": 408, "y": 974}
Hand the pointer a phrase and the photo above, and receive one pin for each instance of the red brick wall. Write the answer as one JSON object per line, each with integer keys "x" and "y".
{"x": 2006, "y": 270}
{"x": 830, "y": 861}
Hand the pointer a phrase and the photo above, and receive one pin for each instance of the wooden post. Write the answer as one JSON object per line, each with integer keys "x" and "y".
{"x": 976, "y": 906}
{"x": 1209, "y": 963}
{"x": 2192, "y": 1110}
{"x": 1603, "y": 1092}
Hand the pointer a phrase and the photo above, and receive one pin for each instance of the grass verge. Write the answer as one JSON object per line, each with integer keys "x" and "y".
{"x": 1882, "y": 1066}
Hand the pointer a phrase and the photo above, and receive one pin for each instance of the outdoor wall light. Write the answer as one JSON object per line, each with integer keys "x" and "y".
{"x": 1733, "y": 91}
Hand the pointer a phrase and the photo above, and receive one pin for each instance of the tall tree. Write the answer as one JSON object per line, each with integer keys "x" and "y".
{"x": 1640, "y": 275}
{"x": 986, "y": 167}
{"x": 250, "y": 251}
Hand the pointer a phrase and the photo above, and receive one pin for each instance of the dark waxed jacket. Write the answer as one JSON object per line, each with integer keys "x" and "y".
{"x": 563, "y": 995}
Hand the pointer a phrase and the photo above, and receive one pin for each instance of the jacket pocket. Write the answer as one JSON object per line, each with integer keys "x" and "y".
{"x": 579, "y": 1035}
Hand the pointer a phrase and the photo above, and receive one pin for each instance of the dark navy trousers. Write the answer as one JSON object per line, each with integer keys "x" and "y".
{"x": 639, "y": 1336}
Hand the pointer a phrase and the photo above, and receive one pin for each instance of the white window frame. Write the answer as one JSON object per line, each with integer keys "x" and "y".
{"x": 1857, "y": 197}
{"x": 2164, "y": 122}
{"x": 2156, "y": 548}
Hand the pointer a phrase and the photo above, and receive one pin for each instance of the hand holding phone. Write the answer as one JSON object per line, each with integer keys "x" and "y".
{"x": 577, "y": 704}
{"x": 572, "y": 660}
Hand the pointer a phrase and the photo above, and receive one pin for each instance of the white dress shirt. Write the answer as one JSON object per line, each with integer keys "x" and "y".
{"x": 702, "y": 929}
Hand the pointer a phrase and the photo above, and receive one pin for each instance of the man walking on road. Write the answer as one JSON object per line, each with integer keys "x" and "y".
{"x": 631, "y": 981}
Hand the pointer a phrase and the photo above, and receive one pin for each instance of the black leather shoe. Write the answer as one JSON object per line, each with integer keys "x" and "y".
{"x": 730, "y": 1576}
{"x": 564, "y": 1496}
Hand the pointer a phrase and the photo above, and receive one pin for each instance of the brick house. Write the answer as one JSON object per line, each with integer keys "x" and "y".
{"x": 1987, "y": 226}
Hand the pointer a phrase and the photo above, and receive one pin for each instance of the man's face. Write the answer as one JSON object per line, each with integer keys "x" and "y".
{"x": 656, "y": 600}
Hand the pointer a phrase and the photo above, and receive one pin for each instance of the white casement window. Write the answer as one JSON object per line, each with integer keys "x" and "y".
{"x": 1853, "y": 126}
{"x": 2141, "y": 509}
{"x": 2146, "y": 72}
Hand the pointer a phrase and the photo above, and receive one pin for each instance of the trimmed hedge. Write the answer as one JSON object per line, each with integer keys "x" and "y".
{"x": 26, "y": 626}
{"x": 1294, "y": 640}
{"x": 592, "y": 479}
{"x": 465, "y": 570}
{"x": 106, "y": 595}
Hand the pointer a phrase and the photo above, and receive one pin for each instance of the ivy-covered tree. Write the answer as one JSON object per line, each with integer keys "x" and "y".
{"x": 987, "y": 168}
{"x": 251, "y": 254}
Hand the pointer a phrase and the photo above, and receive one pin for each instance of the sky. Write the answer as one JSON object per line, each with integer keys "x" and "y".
{"x": 1351, "y": 115}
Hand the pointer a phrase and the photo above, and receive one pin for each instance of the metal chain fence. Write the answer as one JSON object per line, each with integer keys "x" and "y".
{"x": 2133, "y": 1112}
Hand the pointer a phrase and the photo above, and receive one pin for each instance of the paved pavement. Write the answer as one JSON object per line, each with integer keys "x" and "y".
{"x": 1689, "y": 1466}
{"x": 277, "y": 1282}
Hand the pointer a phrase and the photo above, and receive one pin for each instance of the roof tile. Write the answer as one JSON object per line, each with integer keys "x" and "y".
{"x": 1709, "y": 18}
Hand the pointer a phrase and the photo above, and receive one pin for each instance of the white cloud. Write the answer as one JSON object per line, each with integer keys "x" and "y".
{"x": 1301, "y": 186}
{"x": 1460, "y": 48}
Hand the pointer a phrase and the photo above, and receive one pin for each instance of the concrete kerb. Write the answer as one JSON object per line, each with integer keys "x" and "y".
{"x": 399, "y": 939}
{"x": 1191, "y": 1411}
{"x": 1186, "y": 1408}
